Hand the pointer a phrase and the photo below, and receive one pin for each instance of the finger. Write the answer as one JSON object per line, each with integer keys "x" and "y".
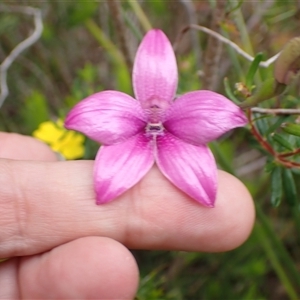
{"x": 9, "y": 279}
{"x": 16, "y": 146}
{"x": 47, "y": 204}
{"x": 87, "y": 268}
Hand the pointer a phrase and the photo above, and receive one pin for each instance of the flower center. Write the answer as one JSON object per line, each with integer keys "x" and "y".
{"x": 154, "y": 109}
{"x": 154, "y": 129}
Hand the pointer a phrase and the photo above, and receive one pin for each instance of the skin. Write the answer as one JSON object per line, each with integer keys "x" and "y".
{"x": 65, "y": 247}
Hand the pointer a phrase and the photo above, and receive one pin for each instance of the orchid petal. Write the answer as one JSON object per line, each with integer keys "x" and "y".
{"x": 155, "y": 71}
{"x": 107, "y": 117}
{"x": 191, "y": 168}
{"x": 202, "y": 116}
{"x": 119, "y": 167}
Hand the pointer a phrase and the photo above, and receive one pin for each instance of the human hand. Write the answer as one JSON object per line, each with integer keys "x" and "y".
{"x": 64, "y": 246}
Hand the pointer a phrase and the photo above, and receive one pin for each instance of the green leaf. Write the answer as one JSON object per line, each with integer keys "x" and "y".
{"x": 252, "y": 70}
{"x": 229, "y": 92}
{"x": 88, "y": 73}
{"x": 291, "y": 128}
{"x": 236, "y": 7}
{"x": 270, "y": 165}
{"x": 282, "y": 141}
{"x": 267, "y": 90}
{"x": 261, "y": 123}
{"x": 289, "y": 187}
{"x": 276, "y": 186}
{"x": 277, "y": 122}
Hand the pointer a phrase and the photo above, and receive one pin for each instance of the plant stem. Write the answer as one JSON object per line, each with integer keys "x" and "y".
{"x": 115, "y": 9}
{"x": 271, "y": 254}
{"x": 269, "y": 234}
{"x": 118, "y": 60}
{"x": 140, "y": 14}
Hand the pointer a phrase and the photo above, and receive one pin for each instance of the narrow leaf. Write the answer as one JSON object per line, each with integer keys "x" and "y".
{"x": 282, "y": 141}
{"x": 276, "y": 123}
{"x": 291, "y": 128}
{"x": 261, "y": 123}
{"x": 289, "y": 186}
{"x": 276, "y": 186}
{"x": 229, "y": 92}
{"x": 252, "y": 70}
{"x": 267, "y": 90}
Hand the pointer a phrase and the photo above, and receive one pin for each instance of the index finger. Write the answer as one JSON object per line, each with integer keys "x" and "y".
{"x": 45, "y": 204}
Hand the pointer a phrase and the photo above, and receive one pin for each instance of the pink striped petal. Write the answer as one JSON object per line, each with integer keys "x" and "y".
{"x": 155, "y": 71}
{"x": 107, "y": 117}
{"x": 202, "y": 116}
{"x": 119, "y": 167}
{"x": 191, "y": 168}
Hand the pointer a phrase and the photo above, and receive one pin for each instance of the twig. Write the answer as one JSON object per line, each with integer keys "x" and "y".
{"x": 262, "y": 141}
{"x": 292, "y": 153}
{"x": 36, "y": 13}
{"x": 278, "y": 157}
{"x": 264, "y": 64}
{"x": 276, "y": 111}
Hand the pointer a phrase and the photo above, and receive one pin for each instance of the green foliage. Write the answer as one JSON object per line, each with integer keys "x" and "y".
{"x": 289, "y": 187}
{"x": 8, "y": 23}
{"x": 81, "y": 11}
{"x": 276, "y": 186}
{"x": 188, "y": 78}
{"x": 117, "y": 58}
{"x": 83, "y": 85}
{"x": 230, "y": 94}
{"x": 279, "y": 139}
{"x": 268, "y": 89}
{"x": 291, "y": 128}
{"x": 252, "y": 70}
{"x": 35, "y": 111}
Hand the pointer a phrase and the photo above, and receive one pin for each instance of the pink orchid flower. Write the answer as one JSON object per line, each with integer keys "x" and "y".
{"x": 135, "y": 134}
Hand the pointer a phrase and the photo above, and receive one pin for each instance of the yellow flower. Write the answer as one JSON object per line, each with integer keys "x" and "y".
{"x": 66, "y": 142}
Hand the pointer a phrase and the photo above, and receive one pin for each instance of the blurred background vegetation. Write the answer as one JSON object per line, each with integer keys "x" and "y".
{"x": 89, "y": 46}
